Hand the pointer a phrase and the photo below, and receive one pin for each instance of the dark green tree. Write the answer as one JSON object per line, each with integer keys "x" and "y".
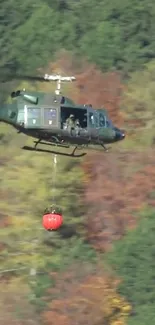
{"x": 133, "y": 259}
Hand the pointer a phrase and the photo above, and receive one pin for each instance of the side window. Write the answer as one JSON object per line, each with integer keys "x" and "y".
{"x": 33, "y": 116}
{"x": 109, "y": 123}
{"x": 102, "y": 120}
{"x": 50, "y": 116}
{"x": 96, "y": 120}
{"x": 93, "y": 120}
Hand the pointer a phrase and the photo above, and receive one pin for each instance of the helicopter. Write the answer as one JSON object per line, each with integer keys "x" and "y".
{"x": 43, "y": 116}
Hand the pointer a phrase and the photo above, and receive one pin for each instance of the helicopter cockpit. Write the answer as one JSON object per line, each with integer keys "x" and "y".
{"x": 104, "y": 120}
{"x": 96, "y": 119}
{"x": 93, "y": 119}
{"x": 99, "y": 119}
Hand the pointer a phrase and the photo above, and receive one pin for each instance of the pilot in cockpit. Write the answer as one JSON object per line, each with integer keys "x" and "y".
{"x": 102, "y": 121}
{"x": 91, "y": 120}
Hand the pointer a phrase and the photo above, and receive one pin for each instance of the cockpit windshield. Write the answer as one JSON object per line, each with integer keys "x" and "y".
{"x": 109, "y": 123}
{"x": 104, "y": 121}
{"x": 93, "y": 119}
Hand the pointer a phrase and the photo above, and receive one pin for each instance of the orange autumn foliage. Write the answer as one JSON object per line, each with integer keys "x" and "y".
{"x": 89, "y": 299}
{"x": 102, "y": 91}
{"x": 5, "y": 220}
{"x": 91, "y": 86}
{"x": 117, "y": 186}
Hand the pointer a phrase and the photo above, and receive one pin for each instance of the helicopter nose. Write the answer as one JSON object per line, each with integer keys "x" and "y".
{"x": 120, "y": 135}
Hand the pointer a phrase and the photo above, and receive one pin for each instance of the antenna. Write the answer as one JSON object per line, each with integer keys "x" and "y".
{"x": 59, "y": 79}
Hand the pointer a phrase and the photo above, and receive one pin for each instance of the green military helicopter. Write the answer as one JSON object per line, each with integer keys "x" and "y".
{"x": 45, "y": 116}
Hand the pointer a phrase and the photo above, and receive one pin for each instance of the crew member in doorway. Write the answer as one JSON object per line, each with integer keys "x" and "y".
{"x": 77, "y": 126}
{"x": 70, "y": 122}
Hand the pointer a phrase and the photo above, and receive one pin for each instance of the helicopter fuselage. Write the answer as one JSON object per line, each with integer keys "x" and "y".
{"x": 43, "y": 116}
{"x": 73, "y": 137}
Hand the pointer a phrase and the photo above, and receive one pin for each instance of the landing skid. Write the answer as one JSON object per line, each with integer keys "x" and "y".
{"x": 55, "y": 152}
{"x": 105, "y": 148}
{"x": 51, "y": 144}
{"x": 58, "y": 143}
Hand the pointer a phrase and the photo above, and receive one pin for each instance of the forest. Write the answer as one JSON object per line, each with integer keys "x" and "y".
{"x": 98, "y": 269}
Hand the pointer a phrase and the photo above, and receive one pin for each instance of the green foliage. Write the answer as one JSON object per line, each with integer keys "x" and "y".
{"x": 29, "y": 184}
{"x": 133, "y": 259}
{"x": 13, "y": 15}
{"x": 14, "y": 304}
{"x": 138, "y": 105}
{"x": 119, "y": 34}
{"x": 114, "y": 35}
{"x": 71, "y": 252}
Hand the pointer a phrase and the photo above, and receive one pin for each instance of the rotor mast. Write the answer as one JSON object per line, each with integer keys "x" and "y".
{"x": 59, "y": 79}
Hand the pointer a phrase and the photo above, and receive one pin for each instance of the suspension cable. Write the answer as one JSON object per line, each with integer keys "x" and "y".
{"x": 54, "y": 179}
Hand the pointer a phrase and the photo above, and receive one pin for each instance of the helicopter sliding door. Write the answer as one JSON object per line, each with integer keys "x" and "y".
{"x": 51, "y": 111}
{"x": 40, "y": 117}
{"x": 50, "y": 117}
{"x": 32, "y": 116}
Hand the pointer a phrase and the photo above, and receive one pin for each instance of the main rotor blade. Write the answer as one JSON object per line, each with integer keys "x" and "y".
{"x": 33, "y": 78}
{"x": 6, "y": 77}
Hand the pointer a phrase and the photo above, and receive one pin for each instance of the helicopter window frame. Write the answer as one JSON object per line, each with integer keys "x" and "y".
{"x": 27, "y": 118}
{"x": 109, "y": 123}
{"x": 52, "y": 121}
{"x": 93, "y": 119}
{"x": 102, "y": 123}
{"x": 92, "y": 122}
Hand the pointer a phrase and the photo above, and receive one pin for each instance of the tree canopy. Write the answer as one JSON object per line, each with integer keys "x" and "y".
{"x": 114, "y": 35}
{"x": 134, "y": 260}
{"x": 59, "y": 277}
